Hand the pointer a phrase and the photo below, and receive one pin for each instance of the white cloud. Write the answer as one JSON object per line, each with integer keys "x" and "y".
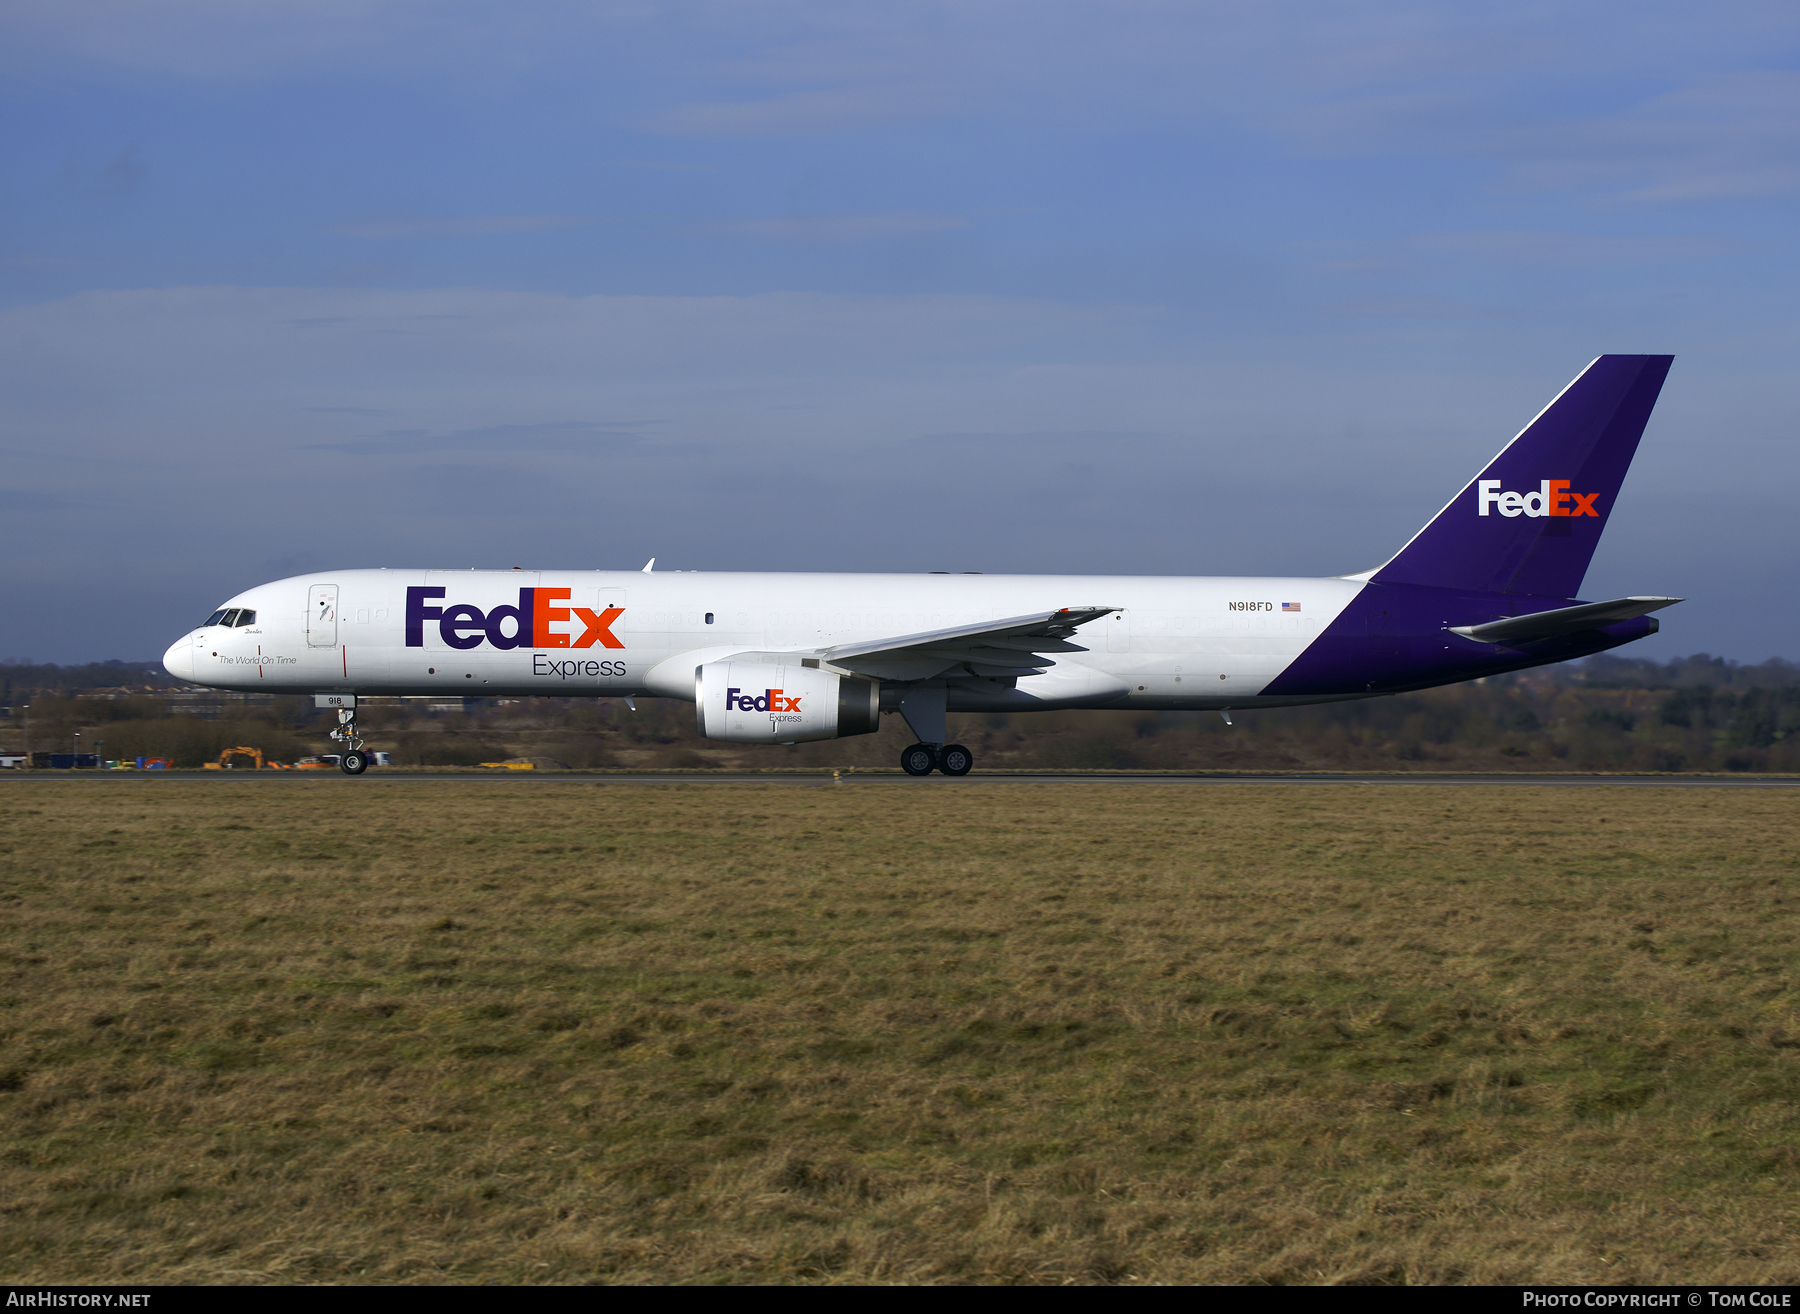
{"x": 835, "y": 109}
{"x": 1404, "y": 306}
{"x": 1575, "y": 249}
{"x": 1734, "y": 136}
{"x": 478, "y": 225}
{"x": 228, "y": 39}
{"x": 456, "y": 360}
{"x": 1556, "y": 96}
{"x": 1727, "y": 133}
{"x": 1527, "y": 249}
{"x": 845, "y": 229}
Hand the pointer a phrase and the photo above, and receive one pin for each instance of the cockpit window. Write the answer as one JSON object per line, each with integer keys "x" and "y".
{"x": 214, "y": 619}
{"x": 245, "y": 618}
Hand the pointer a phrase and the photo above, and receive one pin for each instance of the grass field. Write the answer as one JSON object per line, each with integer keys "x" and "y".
{"x": 1001, "y": 1033}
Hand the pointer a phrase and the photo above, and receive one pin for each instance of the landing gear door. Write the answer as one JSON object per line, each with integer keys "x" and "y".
{"x": 322, "y": 616}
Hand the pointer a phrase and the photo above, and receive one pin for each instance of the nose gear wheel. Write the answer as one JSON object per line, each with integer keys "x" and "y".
{"x": 354, "y": 760}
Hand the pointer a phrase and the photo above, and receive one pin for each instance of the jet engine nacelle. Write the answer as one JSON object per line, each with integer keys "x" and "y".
{"x": 760, "y": 703}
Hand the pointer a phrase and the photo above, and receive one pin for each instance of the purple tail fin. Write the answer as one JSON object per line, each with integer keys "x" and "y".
{"x": 1529, "y": 523}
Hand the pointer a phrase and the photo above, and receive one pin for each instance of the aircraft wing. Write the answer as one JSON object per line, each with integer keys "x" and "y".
{"x": 1564, "y": 620}
{"x": 998, "y": 648}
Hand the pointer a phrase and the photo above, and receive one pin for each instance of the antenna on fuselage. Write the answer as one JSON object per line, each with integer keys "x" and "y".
{"x": 650, "y": 566}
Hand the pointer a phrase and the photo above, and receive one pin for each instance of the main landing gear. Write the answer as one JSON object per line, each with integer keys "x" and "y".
{"x": 354, "y": 760}
{"x": 923, "y": 759}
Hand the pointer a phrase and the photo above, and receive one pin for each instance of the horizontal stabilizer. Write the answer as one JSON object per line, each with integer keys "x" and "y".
{"x": 1564, "y": 620}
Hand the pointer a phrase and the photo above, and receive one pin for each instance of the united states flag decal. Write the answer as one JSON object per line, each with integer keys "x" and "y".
{"x": 1290, "y": 606}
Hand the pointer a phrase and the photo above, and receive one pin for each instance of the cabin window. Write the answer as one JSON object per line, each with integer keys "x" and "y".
{"x": 709, "y": 618}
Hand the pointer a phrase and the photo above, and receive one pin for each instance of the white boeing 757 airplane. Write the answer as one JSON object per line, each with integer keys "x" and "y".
{"x": 1487, "y": 586}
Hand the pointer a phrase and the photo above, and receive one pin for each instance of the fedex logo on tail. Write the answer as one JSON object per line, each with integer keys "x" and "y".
{"x": 1551, "y": 498}
{"x": 464, "y": 626}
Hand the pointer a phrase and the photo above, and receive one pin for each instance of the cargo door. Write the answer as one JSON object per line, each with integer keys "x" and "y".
{"x": 611, "y": 602}
{"x": 321, "y": 616}
{"x": 578, "y": 617}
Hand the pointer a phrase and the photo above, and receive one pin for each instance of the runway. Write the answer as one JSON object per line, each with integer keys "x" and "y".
{"x": 375, "y": 778}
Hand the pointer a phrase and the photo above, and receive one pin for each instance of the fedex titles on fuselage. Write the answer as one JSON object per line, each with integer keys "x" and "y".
{"x": 464, "y": 626}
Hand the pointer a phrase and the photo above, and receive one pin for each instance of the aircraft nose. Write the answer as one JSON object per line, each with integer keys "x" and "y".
{"x": 178, "y": 661}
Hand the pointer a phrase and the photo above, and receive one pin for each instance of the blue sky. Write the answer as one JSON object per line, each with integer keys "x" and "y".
{"x": 1110, "y": 288}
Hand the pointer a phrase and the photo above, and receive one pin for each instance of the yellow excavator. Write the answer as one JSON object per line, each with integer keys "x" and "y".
{"x": 222, "y": 764}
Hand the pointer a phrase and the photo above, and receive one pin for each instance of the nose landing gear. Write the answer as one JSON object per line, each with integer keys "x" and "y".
{"x": 354, "y": 760}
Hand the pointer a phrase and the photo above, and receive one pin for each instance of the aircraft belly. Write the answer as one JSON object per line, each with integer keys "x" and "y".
{"x": 1208, "y": 670}
{"x": 1067, "y": 684}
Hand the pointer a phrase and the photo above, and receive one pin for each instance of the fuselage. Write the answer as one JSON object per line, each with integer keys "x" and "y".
{"x": 1171, "y": 643}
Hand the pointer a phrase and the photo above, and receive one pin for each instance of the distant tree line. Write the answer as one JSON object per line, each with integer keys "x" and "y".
{"x": 21, "y": 681}
{"x": 1698, "y": 713}
{"x": 1608, "y": 671}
